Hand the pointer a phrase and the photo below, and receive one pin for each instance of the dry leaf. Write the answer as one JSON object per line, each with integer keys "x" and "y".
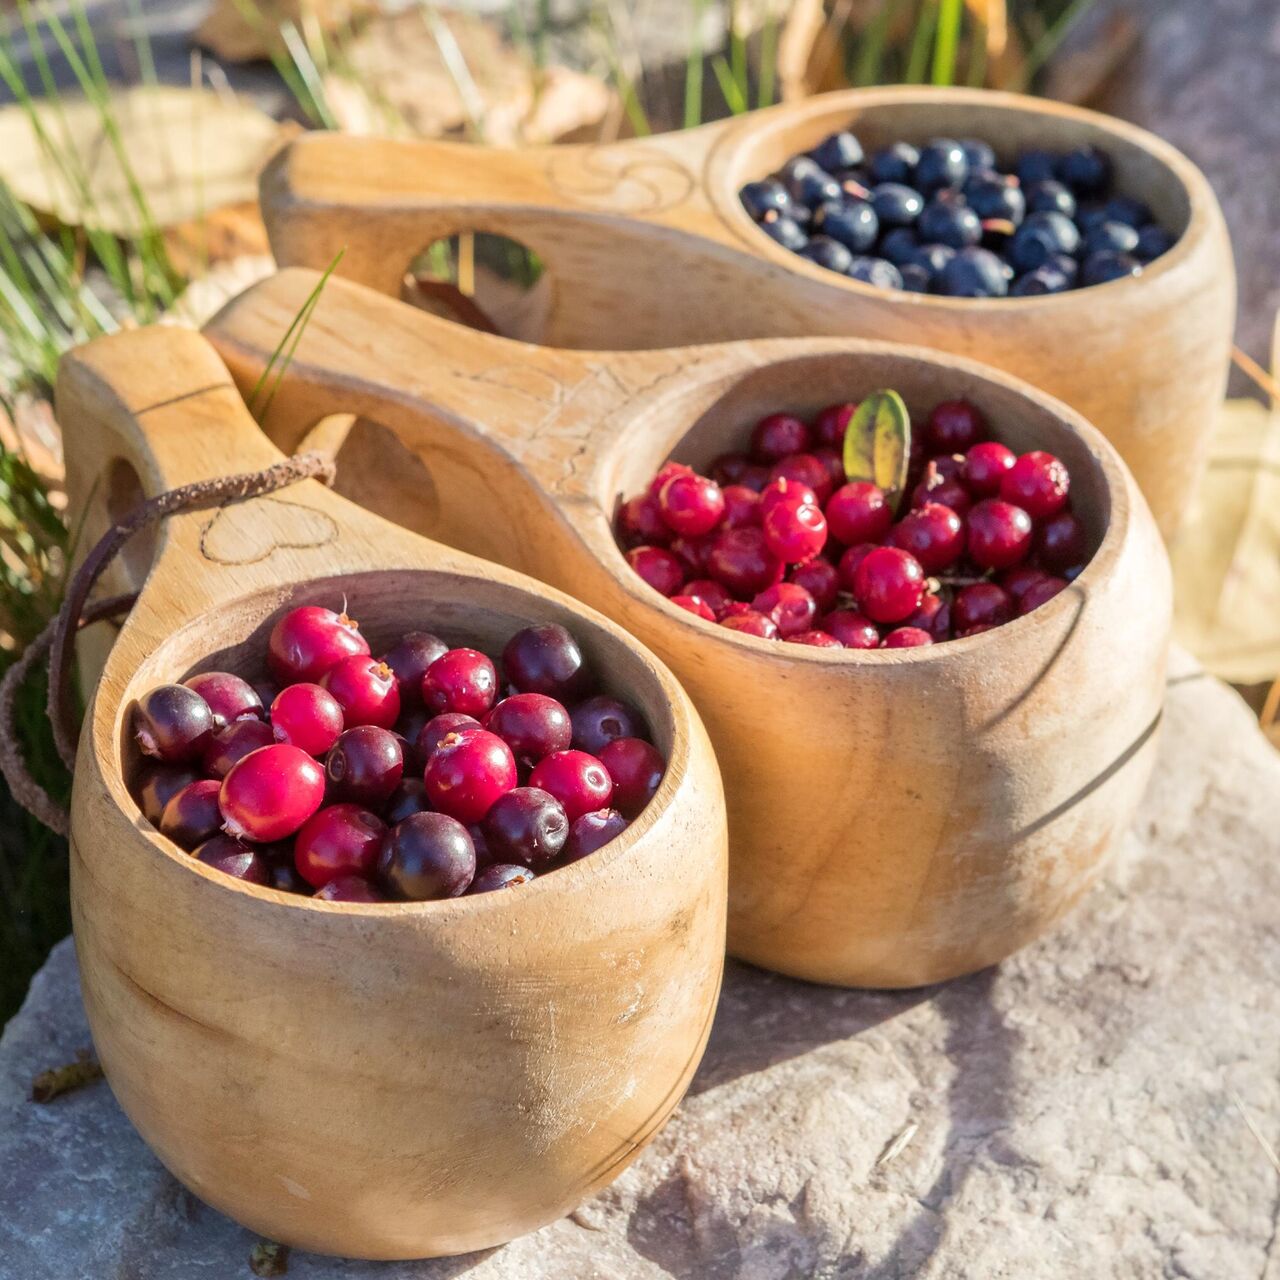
{"x": 56, "y": 1081}
{"x": 233, "y": 37}
{"x": 206, "y": 295}
{"x": 234, "y": 231}
{"x": 33, "y": 434}
{"x": 189, "y": 150}
{"x": 1226, "y": 558}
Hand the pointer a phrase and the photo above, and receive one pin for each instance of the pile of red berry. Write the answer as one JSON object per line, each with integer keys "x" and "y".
{"x": 419, "y": 775}
{"x": 779, "y": 544}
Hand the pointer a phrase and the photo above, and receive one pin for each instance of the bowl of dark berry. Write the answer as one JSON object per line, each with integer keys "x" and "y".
{"x": 1068, "y": 248}
{"x": 388, "y": 856}
{"x": 897, "y": 815}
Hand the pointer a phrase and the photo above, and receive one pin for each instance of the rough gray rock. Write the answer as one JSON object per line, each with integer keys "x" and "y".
{"x": 1084, "y": 1110}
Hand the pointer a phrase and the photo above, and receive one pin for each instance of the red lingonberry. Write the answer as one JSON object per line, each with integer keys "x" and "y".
{"x": 270, "y": 793}
{"x": 795, "y": 533}
{"x": 696, "y": 606}
{"x": 691, "y": 504}
{"x": 640, "y": 522}
{"x": 820, "y": 579}
{"x": 791, "y": 608}
{"x": 906, "y": 638}
{"x": 468, "y": 771}
{"x": 858, "y": 512}
{"x": 1060, "y": 541}
{"x": 815, "y": 640}
{"x": 777, "y": 435}
{"x": 831, "y": 423}
{"x": 852, "y": 629}
{"x": 308, "y": 716}
{"x": 1039, "y": 593}
{"x": 934, "y": 534}
{"x": 309, "y": 640}
{"x": 984, "y": 468}
{"x": 751, "y": 623}
{"x": 999, "y": 534}
{"x": 366, "y": 689}
{"x": 635, "y": 768}
{"x": 806, "y": 469}
{"x": 663, "y": 571}
{"x": 668, "y": 471}
{"x": 579, "y": 781}
{"x": 981, "y": 604}
{"x": 888, "y": 584}
{"x": 1038, "y": 483}
{"x": 740, "y": 560}
{"x": 710, "y": 592}
{"x": 741, "y": 507}
{"x": 850, "y": 559}
{"x": 954, "y": 426}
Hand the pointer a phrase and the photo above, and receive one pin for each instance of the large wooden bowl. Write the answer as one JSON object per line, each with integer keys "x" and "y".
{"x": 647, "y": 245}
{"x": 895, "y": 817}
{"x": 390, "y": 1080}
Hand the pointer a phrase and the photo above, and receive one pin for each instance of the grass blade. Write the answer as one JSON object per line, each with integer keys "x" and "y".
{"x": 693, "y": 69}
{"x": 921, "y": 40}
{"x": 950, "y": 14}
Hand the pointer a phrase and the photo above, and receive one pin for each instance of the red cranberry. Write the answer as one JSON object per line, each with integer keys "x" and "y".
{"x": 234, "y": 859}
{"x": 984, "y": 467}
{"x": 947, "y": 493}
{"x": 741, "y": 507}
{"x": 934, "y": 534}
{"x": 999, "y": 534}
{"x": 789, "y": 607}
{"x": 341, "y": 840}
{"x": 859, "y": 512}
{"x": 785, "y": 493}
{"x": 172, "y": 723}
{"x": 1061, "y": 541}
{"x": 852, "y": 629}
{"x": 640, "y": 522}
{"x": 409, "y": 797}
{"x": 728, "y": 467}
{"x": 461, "y": 680}
{"x": 981, "y": 604}
{"x": 834, "y": 465}
{"x": 692, "y": 553}
{"x": 307, "y": 715}
{"x": 741, "y": 561}
{"x": 751, "y": 623}
{"x": 906, "y": 638}
{"x": 820, "y": 579}
{"x": 795, "y": 533}
{"x": 777, "y": 435}
{"x": 270, "y": 793}
{"x": 850, "y": 559}
{"x": 159, "y": 783}
{"x": 349, "y": 889}
{"x": 192, "y": 816}
{"x": 710, "y": 592}
{"x": 427, "y": 856}
{"x": 500, "y": 876}
{"x": 696, "y": 606}
{"x": 227, "y": 696}
{"x": 599, "y": 720}
{"x": 366, "y": 690}
{"x": 1038, "y": 483}
{"x": 1018, "y": 579}
{"x": 933, "y": 616}
{"x": 438, "y": 728}
{"x": 806, "y": 469}
{"x": 531, "y": 724}
{"x": 954, "y": 426}
{"x": 816, "y": 639}
{"x": 233, "y": 742}
{"x": 409, "y": 660}
{"x": 546, "y": 659}
{"x": 468, "y": 771}
{"x": 691, "y": 505}
{"x": 593, "y": 831}
{"x": 668, "y": 471}
{"x": 578, "y": 780}
{"x": 1039, "y": 593}
{"x": 307, "y": 641}
{"x": 636, "y": 768}
{"x": 831, "y": 423}
{"x": 888, "y": 584}
{"x": 528, "y": 826}
{"x": 365, "y": 765}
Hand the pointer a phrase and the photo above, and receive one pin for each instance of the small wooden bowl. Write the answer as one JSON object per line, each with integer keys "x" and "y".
{"x": 391, "y": 1080}
{"x": 647, "y": 245}
{"x": 895, "y": 817}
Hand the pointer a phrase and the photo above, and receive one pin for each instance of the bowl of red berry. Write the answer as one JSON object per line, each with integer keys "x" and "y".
{"x": 389, "y": 856}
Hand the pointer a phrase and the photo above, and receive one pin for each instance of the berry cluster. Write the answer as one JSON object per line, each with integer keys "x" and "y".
{"x": 419, "y": 775}
{"x": 943, "y": 218}
{"x": 777, "y": 544}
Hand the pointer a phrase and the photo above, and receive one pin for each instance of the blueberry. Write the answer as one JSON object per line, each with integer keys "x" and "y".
{"x": 1114, "y": 237}
{"x": 1098, "y": 268}
{"x": 807, "y": 183}
{"x": 785, "y": 232}
{"x": 998, "y": 200}
{"x": 899, "y": 245}
{"x": 828, "y": 253}
{"x": 895, "y": 164}
{"x": 943, "y": 222}
{"x": 1035, "y": 166}
{"x": 1086, "y": 170}
{"x": 1064, "y": 264}
{"x": 854, "y": 182}
{"x": 895, "y": 204}
{"x": 876, "y": 271}
{"x": 1127, "y": 210}
{"x": 932, "y": 257}
{"x": 974, "y": 273}
{"x": 942, "y": 165}
{"x": 1050, "y": 197}
{"x": 1041, "y": 235}
{"x": 1089, "y": 216}
{"x": 769, "y": 196}
{"x": 853, "y": 223}
{"x": 1042, "y": 280}
{"x": 915, "y": 278}
{"x": 801, "y": 215}
{"x": 840, "y": 151}
{"x": 1152, "y": 242}
{"x": 978, "y": 153}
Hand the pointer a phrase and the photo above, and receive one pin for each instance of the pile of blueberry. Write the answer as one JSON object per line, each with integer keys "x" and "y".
{"x": 943, "y": 218}
{"x": 415, "y": 776}
{"x": 778, "y": 544}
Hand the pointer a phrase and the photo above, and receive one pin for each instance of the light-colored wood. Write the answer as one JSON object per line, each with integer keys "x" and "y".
{"x": 391, "y": 1080}
{"x": 895, "y": 817}
{"x": 647, "y": 245}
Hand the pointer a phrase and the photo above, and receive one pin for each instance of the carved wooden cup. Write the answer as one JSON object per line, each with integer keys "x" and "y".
{"x": 383, "y": 1080}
